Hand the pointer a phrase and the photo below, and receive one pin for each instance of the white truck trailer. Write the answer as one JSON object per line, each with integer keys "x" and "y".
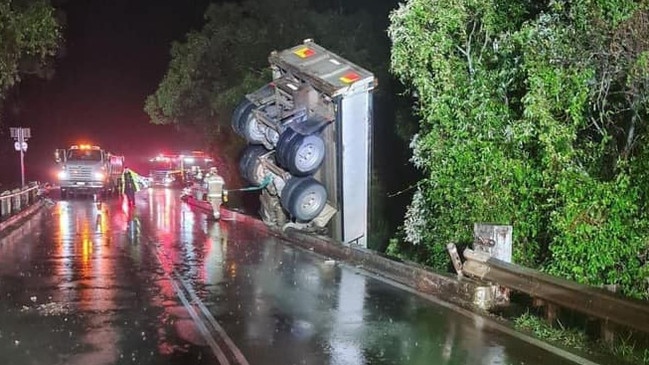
{"x": 309, "y": 134}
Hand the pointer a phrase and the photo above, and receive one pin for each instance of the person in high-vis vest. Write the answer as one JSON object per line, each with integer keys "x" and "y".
{"x": 129, "y": 184}
{"x": 215, "y": 183}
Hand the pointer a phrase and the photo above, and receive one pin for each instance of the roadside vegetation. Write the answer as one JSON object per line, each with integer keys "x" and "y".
{"x": 29, "y": 36}
{"x": 626, "y": 347}
{"x": 534, "y": 114}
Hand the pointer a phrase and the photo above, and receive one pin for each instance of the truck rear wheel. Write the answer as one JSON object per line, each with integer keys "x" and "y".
{"x": 240, "y": 114}
{"x": 249, "y": 164}
{"x": 301, "y": 155}
{"x": 246, "y": 125}
{"x": 304, "y": 198}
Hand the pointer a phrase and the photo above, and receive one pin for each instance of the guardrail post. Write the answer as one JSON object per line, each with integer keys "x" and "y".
{"x": 24, "y": 198}
{"x": 455, "y": 258}
{"x": 607, "y": 328}
{"x": 551, "y": 313}
{"x": 550, "y": 310}
{"x": 33, "y": 193}
{"x": 496, "y": 241}
{"x": 15, "y": 201}
{"x": 5, "y": 204}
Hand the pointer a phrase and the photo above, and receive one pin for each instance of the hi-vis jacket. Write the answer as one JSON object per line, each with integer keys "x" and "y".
{"x": 138, "y": 181}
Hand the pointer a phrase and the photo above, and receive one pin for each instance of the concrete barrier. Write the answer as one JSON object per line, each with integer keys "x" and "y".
{"x": 16, "y": 220}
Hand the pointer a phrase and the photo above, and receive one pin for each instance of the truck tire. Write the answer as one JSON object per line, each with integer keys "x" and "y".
{"x": 241, "y": 113}
{"x": 246, "y": 125}
{"x": 303, "y": 198}
{"x": 301, "y": 155}
{"x": 282, "y": 146}
{"x": 249, "y": 163}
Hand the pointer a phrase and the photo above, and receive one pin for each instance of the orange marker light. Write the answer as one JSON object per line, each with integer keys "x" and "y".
{"x": 350, "y": 77}
{"x": 304, "y": 52}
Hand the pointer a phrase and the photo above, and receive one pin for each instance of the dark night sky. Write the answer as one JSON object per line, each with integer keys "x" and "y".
{"x": 117, "y": 52}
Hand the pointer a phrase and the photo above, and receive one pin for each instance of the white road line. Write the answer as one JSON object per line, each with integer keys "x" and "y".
{"x": 216, "y": 349}
{"x": 202, "y": 328}
{"x": 175, "y": 276}
{"x": 241, "y": 359}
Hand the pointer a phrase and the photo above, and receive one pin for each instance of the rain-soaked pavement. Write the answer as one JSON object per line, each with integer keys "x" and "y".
{"x": 87, "y": 283}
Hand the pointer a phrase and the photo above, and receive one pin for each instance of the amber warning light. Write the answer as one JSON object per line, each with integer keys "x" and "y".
{"x": 304, "y": 52}
{"x": 350, "y": 77}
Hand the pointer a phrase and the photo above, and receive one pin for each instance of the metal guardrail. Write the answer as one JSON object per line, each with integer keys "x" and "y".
{"x": 591, "y": 301}
{"x": 14, "y": 201}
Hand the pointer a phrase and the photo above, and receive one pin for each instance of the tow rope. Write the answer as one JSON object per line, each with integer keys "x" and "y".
{"x": 264, "y": 183}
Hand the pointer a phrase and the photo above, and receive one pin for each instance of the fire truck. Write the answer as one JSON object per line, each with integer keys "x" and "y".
{"x": 87, "y": 169}
{"x": 177, "y": 170}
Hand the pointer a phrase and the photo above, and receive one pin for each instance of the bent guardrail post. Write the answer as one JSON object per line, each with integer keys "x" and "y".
{"x": 455, "y": 258}
{"x": 591, "y": 301}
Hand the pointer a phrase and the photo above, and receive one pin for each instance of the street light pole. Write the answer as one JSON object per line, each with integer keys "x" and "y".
{"x": 21, "y": 135}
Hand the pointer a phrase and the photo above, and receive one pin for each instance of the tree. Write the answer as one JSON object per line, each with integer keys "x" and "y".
{"x": 29, "y": 34}
{"x": 228, "y": 57}
{"x": 526, "y": 112}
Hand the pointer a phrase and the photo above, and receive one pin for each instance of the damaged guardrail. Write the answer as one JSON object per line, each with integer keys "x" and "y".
{"x": 591, "y": 301}
{"x": 14, "y": 201}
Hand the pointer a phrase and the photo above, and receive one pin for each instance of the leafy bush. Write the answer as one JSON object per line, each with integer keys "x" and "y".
{"x": 531, "y": 115}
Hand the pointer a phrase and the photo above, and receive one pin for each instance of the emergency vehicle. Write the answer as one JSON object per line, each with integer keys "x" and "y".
{"x": 88, "y": 169}
{"x": 178, "y": 170}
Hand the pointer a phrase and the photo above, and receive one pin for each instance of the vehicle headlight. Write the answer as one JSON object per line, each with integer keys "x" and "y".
{"x": 63, "y": 175}
{"x": 99, "y": 176}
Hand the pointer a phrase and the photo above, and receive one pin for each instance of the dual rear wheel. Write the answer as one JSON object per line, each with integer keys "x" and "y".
{"x": 302, "y": 196}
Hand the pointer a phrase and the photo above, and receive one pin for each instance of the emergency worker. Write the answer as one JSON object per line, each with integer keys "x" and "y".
{"x": 215, "y": 183}
{"x": 129, "y": 184}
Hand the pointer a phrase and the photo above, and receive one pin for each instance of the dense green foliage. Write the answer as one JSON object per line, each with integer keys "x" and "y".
{"x": 29, "y": 34}
{"x": 532, "y": 114}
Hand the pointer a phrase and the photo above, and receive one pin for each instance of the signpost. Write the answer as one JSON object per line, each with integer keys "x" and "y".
{"x": 20, "y": 136}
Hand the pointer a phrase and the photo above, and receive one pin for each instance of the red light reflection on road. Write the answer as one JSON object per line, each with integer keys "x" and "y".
{"x": 88, "y": 274}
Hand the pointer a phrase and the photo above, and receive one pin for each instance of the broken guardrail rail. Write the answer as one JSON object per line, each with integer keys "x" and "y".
{"x": 594, "y": 302}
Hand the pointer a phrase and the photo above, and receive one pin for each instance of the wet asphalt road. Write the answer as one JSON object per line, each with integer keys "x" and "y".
{"x": 87, "y": 283}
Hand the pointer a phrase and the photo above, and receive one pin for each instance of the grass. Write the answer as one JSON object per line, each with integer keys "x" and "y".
{"x": 568, "y": 337}
{"x": 624, "y": 348}
{"x": 628, "y": 349}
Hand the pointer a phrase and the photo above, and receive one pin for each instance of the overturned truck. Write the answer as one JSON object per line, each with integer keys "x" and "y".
{"x": 308, "y": 134}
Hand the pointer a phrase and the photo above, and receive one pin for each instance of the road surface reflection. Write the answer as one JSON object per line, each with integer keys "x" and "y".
{"x": 102, "y": 283}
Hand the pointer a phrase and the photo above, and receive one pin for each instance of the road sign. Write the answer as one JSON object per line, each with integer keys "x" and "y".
{"x": 21, "y": 135}
{"x": 20, "y": 146}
